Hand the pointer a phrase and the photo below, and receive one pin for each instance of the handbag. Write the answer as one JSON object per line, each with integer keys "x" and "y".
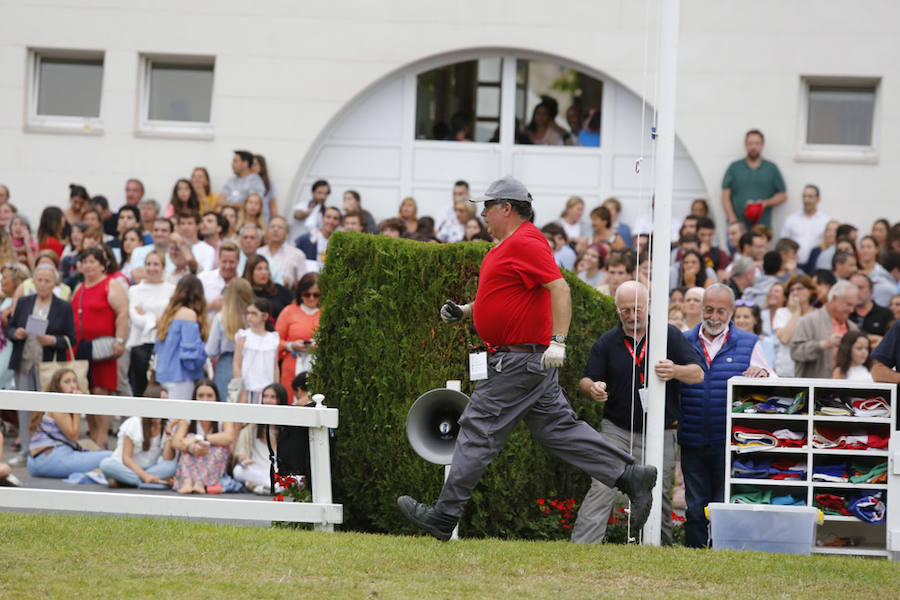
{"x": 100, "y": 348}
{"x": 80, "y": 367}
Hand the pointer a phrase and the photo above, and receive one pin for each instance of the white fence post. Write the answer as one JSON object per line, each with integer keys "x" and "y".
{"x": 320, "y": 464}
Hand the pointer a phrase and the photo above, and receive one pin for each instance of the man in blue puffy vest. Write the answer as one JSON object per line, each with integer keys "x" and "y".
{"x": 727, "y": 352}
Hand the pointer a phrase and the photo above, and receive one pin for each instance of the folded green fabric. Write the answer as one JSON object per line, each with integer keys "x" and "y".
{"x": 872, "y": 473}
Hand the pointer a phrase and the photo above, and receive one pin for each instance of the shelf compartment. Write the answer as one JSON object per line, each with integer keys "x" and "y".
{"x": 772, "y": 449}
{"x": 845, "y": 452}
{"x": 848, "y": 419}
{"x": 848, "y": 486}
{"x": 767, "y": 416}
{"x": 794, "y": 483}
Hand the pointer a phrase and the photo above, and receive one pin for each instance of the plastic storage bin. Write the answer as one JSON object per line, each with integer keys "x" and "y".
{"x": 763, "y": 527}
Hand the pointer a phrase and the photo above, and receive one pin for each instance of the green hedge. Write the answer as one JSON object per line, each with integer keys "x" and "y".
{"x": 382, "y": 344}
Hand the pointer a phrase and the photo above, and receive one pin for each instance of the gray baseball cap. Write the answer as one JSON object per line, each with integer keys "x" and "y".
{"x": 506, "y": 188}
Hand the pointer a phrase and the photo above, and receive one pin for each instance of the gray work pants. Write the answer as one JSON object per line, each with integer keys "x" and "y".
{"x": 593, "y": 514}
{"x": 516, "y": 389}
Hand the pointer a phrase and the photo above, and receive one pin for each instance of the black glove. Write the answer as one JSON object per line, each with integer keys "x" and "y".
{"x": 451, "y": 312}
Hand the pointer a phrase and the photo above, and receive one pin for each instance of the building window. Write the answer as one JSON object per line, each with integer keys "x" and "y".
{"x": 838, "y": 117}
{"x": 556, "y": 106}
{"x": 65, "y": 90}
{"x": 177, "y": 96}
{"x": 460, "y": 102}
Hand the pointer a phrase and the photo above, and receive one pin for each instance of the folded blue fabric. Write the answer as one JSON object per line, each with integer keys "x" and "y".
{"x": 788, "y": 500}
{"x": 751, "y": 467}
{"x": 868, "y": 507}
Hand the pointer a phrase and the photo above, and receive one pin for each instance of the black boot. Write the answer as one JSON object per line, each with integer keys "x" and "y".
{"x": 637, "y": 482}
{"x": 426, "y": 517}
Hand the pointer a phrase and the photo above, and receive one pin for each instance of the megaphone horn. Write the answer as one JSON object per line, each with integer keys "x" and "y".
{"x": 431, "y": 424}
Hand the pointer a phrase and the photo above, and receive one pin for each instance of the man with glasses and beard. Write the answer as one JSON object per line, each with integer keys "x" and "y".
{"x": 726, "y": 352}
{"x": 522, "y": 311}
{"x": 614, "y": 375}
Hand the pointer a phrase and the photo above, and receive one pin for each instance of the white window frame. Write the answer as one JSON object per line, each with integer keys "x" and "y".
{"x": 837, "y": 153}
{"x": 147, "y": 127}
{"x": 59, "y": 123}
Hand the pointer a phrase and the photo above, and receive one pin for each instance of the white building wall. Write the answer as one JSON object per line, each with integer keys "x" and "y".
{"x": 285, "y": 69}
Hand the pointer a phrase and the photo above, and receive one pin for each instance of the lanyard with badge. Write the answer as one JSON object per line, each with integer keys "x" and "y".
{"x": 706, "y": 352}
{"x": 639, "y": 362}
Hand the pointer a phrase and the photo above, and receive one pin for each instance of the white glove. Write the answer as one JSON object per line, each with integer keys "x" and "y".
{"x": 554, "y": 356}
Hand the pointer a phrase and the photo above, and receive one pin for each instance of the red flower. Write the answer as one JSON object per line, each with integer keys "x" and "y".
{"x": 279, "y": 498}
{"x": 540, "y": 501}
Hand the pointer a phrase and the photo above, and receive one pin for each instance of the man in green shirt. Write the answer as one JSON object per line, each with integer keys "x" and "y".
{"x": 752, "y": 180}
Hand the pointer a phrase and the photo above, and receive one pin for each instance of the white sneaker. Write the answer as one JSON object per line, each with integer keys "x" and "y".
{"x": 262, "y": 490}
{"x": 11, "y": 480}
{"x": 18, "y": 460}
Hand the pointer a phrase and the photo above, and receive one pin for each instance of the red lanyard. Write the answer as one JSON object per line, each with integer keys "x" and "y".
{"x": 706, "y": 353}
{"x": 638, "y": 360}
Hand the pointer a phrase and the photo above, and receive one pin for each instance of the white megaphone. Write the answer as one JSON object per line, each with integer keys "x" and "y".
{"x": 431, "y": 424}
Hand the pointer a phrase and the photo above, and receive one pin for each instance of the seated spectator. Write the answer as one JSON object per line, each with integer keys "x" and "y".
{"x": 203, "y": 190}
{"x": 6, "y": 475}
{"x": 868, "y": 260}
{"x": 308, "y": 214}
{"x": 700, "y": 208}
{"x": 181, "y": 331}
{"x": 881, "y": 230}
{"x": 50, "y": 230}
{"x": 743, "y": 275}
{"x": 756, "y": 293}
{"x": 806, "y": 226}
{"x": 352, "y": 203}
{"x": 162, "y": 231}
{"x": 149, "y": 209}
{"x": 746, "y": 317}
{"x": 93, "y": 220}
{"x": 392, "y": 228}
{"x": 251, "y": 451}
{"x": 144, "y": 457}
{"x": 476, "y": 231}
{"x": 146, "y": 302}
{"x": 601, "y": 223}
{"x": 788, "y": 250}
{"x": 7, "y": 212}
{"x": 570, "y": 220}
{"x": 801, "y": 292}
{"x": 73, "y": 247}
{"x": 14, "y": 275}
{"x": 425, "y": 226}
{"x": 454, "y": 229}
{"x": 108, "y": 218}
{"x": 619, "y": 269}
{"x": 775, "y": 299}
{"x": 823, "y": 279}
{"x": 843, "y": 265}
{"x": 245, "y": 182}
{"x": 21, "y": 239}
{"x": 713, "y": 256}
{"x": 895, "y": 306}
{"x": 205, "y": 448}
{"x": 688, "y": 226}
{"x": 183, "y": 200}
{"x": 257, "y": 273}
{"x": 180, "y": 260}
{"x": 884, "y": 289}
{"x": 352, "y": 222}
{"x": 820, "y": 256}
{"x": 251, "y": 213}
{"x": 213, "y": 231}
{"x": 301, "y": 390}
{"x": 54, "y": 450}
{"x": 872, "y": 320}
{"x": 315, "y": 243}
{"x": 256, "y": 352}
{"x": 296, "y": 327}
{"x": 214, "y": 282}
{"x": 819, "y": 333}
{"x": 539, "y": 130}
{"x": 189, "y": 228}
{"x": 407, "y": 213}
{"x": 250, "y": 241}
{"x": 590, "y": 266}
{"x": 79, "y": 201}
{"x": 734, "y": 232}
{"x": 676, "y": 316}
{"x": 289, "y": 260}
{"x": 270, "y": 199}
{"x": 220, "y": 345}
{"x": 615, "y": 212}
{"x": 676, "y": 295}
{"x": 565, "y": 256}
{"x": 131, "y": 240}
{"x": 854, "y": 360}
{"x": 691, "y": 272}
{"x": 589, "y": 136}
{"x": 230, "y": 214}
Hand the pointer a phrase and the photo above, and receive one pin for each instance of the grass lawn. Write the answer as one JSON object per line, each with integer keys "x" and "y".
{"x": 60, "y": 556}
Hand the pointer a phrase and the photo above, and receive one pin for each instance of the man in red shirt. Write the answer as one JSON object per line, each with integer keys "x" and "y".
{"x": 522, "y": 311}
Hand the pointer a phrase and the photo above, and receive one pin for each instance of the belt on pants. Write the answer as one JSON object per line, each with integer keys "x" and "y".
{"x": 522, "y": 348}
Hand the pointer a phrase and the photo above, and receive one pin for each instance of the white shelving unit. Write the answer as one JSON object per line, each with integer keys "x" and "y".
{"x": 873, "y": 540}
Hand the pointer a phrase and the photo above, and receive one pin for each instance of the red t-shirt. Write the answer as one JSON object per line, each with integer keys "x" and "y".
{"x": 511, "y": 306}
{"x": 51, "y": 243}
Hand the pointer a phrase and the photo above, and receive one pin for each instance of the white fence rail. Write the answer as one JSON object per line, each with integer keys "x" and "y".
{"x": 322, "y": 512}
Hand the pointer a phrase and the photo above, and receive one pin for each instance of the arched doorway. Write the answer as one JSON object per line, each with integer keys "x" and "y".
{"x": 398, "y": 138}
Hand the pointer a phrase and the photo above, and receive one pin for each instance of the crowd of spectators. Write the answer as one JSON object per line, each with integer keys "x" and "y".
{"x": 215, "y": 296}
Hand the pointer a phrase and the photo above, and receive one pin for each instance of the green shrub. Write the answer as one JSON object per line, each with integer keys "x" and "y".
{"x": 382, "y": 344}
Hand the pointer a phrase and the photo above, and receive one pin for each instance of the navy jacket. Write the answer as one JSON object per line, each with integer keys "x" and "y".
{"x": 307, "y": 245}
{"x": 705, "y": 405}
{"x": 60, "y": 323}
